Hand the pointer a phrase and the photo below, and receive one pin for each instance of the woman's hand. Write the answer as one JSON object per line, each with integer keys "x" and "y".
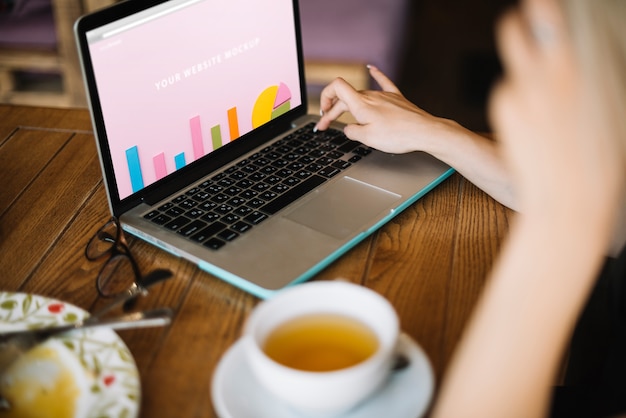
{"x": 562, "y": 160}
{"x": 386, "y": 120}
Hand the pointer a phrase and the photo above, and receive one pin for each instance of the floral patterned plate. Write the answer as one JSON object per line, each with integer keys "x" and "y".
{"x": 115, "y": 385}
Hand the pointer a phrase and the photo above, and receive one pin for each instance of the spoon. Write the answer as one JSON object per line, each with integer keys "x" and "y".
{"x": 14, "y": 343}
{"x": 401, "y": 362}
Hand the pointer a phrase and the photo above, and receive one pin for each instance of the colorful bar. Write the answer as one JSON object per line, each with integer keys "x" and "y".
{"x": 196, "y": 137}
{"x": 233, "y": 123}
{"x": 160, "y": 170}
{"x": 134, "y": 168}
{"x": 216, "y": 135}
{"x": 282, "y": 109}
{"x": 179, "y": 160}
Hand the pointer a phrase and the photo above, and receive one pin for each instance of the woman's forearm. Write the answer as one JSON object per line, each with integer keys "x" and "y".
{"x": 475, "y": 157}
{"x": 507, "y": 360}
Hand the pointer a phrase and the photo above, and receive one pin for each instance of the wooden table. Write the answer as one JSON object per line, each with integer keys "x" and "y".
{"x": 430, "y": 261}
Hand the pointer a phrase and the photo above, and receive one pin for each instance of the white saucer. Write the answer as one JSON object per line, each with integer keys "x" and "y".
{"x": 237, "y": 394}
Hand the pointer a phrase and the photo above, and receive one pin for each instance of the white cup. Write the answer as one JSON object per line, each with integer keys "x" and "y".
{"x": 328, "y": 392}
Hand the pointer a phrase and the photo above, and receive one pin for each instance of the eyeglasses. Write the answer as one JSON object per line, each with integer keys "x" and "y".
{"x": 120, "y": 276}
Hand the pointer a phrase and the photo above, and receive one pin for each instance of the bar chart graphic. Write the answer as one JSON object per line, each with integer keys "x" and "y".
{"x": 271, "y": 103}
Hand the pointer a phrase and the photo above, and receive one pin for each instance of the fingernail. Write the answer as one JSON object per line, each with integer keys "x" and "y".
{"x": 321, "y": 112}
{"x": 315, "y": 129}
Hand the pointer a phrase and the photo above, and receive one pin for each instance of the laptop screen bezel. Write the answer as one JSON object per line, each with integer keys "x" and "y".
{"x": 198, "y": 169}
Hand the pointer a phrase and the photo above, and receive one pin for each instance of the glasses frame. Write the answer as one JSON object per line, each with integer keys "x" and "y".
{"x": 118, "y": 248}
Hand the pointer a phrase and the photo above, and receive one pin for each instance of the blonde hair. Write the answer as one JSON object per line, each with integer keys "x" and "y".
{"x": 598, "y": 32}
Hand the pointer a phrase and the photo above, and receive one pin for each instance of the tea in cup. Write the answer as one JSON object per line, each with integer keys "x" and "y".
{"x": 322, "y": 347}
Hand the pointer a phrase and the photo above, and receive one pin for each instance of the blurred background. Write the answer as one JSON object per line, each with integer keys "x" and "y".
{"x": 441, "y": 53}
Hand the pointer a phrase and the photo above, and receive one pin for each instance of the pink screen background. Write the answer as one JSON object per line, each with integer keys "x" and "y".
{"x": 149, "y": 91}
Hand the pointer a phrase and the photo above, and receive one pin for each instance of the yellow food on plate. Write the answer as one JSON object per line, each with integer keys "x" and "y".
{"x": 47, "y": 381}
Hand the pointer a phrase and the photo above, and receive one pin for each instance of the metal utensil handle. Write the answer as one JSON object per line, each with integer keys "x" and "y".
{"x": 152, "y": 318}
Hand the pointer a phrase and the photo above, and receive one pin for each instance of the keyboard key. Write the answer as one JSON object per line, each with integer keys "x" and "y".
{"x": 293, "y": 194}
{"x": 249, "y": 194}
{"x": 220, "y": 198}
{"x": 209, "y": 231}
{"x": 214, "y": 188}
{"x": 270, "y": 169}
{"x": 273, "y": 180}
{"x": 151, "y": 214}
{"x": 174, "y": 211}
{"x": 223, "y": 209}
{"x": 284, "y": 173}
{"x": 255, "y": 203}
{"x": 177, "y": 223}
{"x": 201, "y": 196}
{"x": 195, "y": 213}
{"x": 210, "y": 217}
{"x": 236, "y": 201}
{"x": 339, "y": 140}
{"x": 242, "y": 211}
{"x": 208, "y": 205}
{"x": 214, "y": 244}
{"x": 291, "y": 181}
{"x": 238, "y": 175}
{"x": 362, "y": 151}
{"x": 241, "y": 227}
{"x": 348, "y": 146}
{"x": 329, "y": 172}
{"x": 251, "y": 168}
{"x": 192, "y": 228}
{"x": 280, "y": 163}
{"x": 188, "y": 204}
{"x": 314, "y": 167}
{"x": 324, "y": 161}
{"x": 255, "y": 177}
{"x": 303, "y": 174}
{"x": 244, "y": 184}
{"x": 230, "y": 218}
{"x": 161, "y": 219}
{"x": 268, "y": 195}
{"x": 308, "y": 159}
{"x": 335, "y": 155}
{"x": 341, "y": 164}
{"x": 227, "y": 235}
{"x": 280, "y": 188}
{"x": 226, "y": 182}
{"x": 165, "y": 207}
{"x": 256, "y": 189}
{"x": 233, "y": 191}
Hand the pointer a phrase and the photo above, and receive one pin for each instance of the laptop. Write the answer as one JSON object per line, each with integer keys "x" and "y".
{"x": 199, "y": 110}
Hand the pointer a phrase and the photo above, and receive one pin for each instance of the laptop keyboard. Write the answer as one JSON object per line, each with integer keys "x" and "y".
{"x": 232, "y": 202}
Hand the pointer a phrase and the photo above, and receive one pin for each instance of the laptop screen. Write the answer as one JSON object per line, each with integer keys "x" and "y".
{"x": 184, "y": 78}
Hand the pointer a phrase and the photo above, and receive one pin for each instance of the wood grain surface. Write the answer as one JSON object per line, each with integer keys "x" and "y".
{"x": 430, "y": 261}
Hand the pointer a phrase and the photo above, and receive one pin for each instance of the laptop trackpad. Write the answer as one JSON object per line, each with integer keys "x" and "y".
{"x": 344, "y": 207}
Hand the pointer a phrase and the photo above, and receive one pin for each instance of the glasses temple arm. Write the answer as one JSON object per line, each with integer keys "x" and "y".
{"x": 152, "y": 278}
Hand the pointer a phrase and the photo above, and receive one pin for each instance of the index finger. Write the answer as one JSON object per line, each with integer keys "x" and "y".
{"x": 338, "y": 89}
